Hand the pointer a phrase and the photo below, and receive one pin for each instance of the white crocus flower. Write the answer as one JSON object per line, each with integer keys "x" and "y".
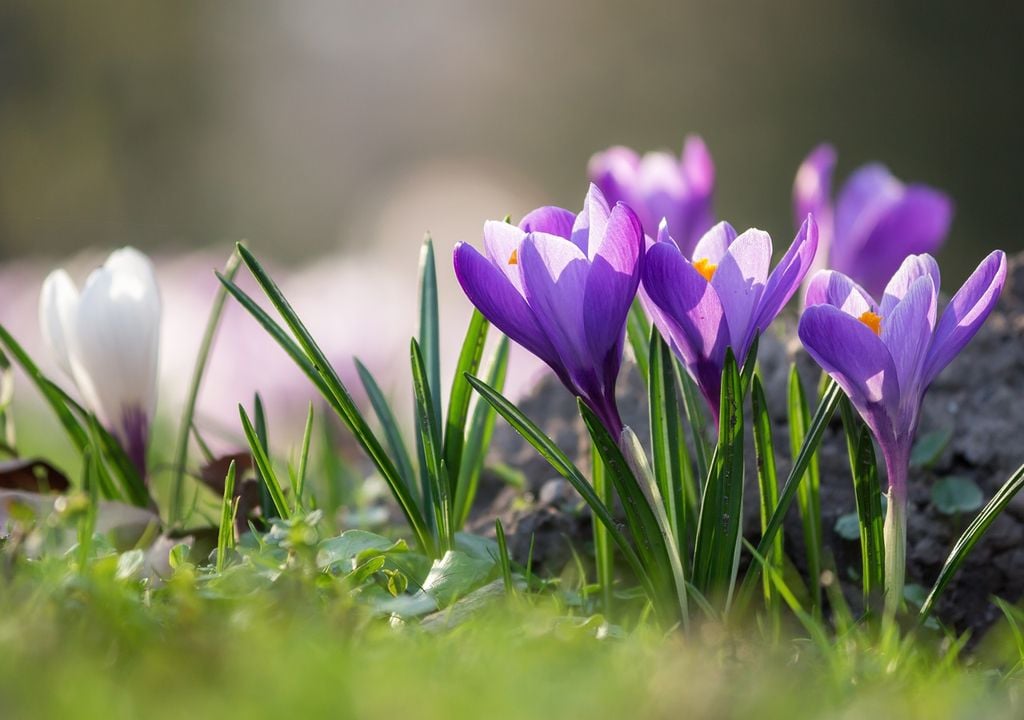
{"x": 107, "y": 340}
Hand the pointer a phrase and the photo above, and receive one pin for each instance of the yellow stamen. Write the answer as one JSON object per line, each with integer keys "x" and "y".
{"x": 873, "y": 321}
{"x": 513, "y": 259}
{"x": 705, "y": 268}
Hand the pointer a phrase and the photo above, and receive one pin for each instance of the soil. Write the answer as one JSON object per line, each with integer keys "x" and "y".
{"x": 977, "y": 398}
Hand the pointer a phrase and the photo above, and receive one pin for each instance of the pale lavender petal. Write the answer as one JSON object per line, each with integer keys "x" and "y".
{"x": 907, "y": 332}
{"x": 555, "y": 277}
{"x": 501, "y": 243}
{"x": 612, "y": 283}
{"x": 714, "y": 244}
{"x": 590, "y": 223}
{"x": 965, "y": 313}
{"x": 912, "y": 268}
{"x": 787, "y": 275}
{"x": 829, "y": 287}
{"x": 493, "y": 294}
{"x": 916, "y": 223}
{"x": 740, "y": 281}
{"x": 698, "y": 167}
{"x": 812, "y": 189}
{"x": 857, "y": 359}
{"x": 614, "y": 171}
{"x": 662, "y": 186}
{"x": 551, "y": 220}
{"x": 812, "y": 195}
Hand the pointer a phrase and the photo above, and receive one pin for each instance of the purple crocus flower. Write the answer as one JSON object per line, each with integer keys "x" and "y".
{"x": 660, "y": 186}
{"x": 885, "y": 355}
{"x": 561, "y": 286}
{"x": 877, "y": 221}
{"x": 723, "y": 297}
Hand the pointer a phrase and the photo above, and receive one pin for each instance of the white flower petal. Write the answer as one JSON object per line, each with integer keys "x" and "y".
{"x": 58, "y": 303}
{"x": 115, "y": 338}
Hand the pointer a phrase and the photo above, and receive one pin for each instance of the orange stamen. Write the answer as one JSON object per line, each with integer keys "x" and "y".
{"x": 873, "y": 321}
{"x": 705, "y": 268}
{"x": 513, "y": 259}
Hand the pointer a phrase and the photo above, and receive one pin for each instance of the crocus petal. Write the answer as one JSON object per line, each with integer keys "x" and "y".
{"x": 912, "y": 268}
{"x": 857, "y": 359}
{"x": 965, "y": 313}
{"x": 714, "y": 244}
{"x": 114, "y": 346}
{"x": 552, "y": 220}
{"x": 740, "y": 281}
{"x": 494, "y": 295}
{"x": 501, "y": 243}
{"x": 590, "y": 223}
{"x": 864, "y": 198}
{"x": 698, "y": 167}
{"x": 612, "y": 283}
{"x": 787, "y": 275}
{"x": 917, "y": 222}
{"x": 829, "y": 287}
{"x": 812, "y": 189}
{"x": 555, "y": 278}
{"x": 907, "y": 332}
{"x": 614, "y": 171}
{"x": 663, "y": 193}
{"x": 688, "y": 300}
{"x": 58, "y": 303}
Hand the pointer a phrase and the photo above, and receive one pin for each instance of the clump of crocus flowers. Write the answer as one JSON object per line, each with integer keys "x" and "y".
{"x": 885, "y": 354}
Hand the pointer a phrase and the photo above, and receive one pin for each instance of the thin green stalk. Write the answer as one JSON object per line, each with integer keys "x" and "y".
{"x": 602, "y": 543}
{"x": 226, "y": 533}
{"x": 202, "y": 358}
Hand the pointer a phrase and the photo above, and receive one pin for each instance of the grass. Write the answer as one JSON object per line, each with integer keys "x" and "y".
{"x": 98, "y": 647}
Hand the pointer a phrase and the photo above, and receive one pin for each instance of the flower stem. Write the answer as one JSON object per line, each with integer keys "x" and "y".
{"x": 895, "y": 538}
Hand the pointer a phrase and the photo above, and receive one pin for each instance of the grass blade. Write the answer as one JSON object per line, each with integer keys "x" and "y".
{"x": 268, "y": 505}
{"x": 638, "y": 331}
{"x": 461, "y": 392}
{"x": 226, "y": 530}
{"x": 809, "y": 494}
{"x": 868, "y": 494}
{"x": 389, "y": 424}
{"x": 720, "y": 521}
{"x": 970, "y": 538}
{"x": 478, "y": 437}
{"x": 603, "y": 557}
{"x": 671, "y": 459}
{"x": 263, "y": 465}
{"x": 696, "y": 415}
{"x": 648, "y": 535}
{"x": 188, "y": 412}
{"x": 439, "y": 500}
{"x": 822, "y": 416}
{"x": 503, "y": 558}
{"x": 768, "y": 485}
{"x": 430, "y": 334}
{"x": 78, "y": 434}
{"x": 307, "y": 436}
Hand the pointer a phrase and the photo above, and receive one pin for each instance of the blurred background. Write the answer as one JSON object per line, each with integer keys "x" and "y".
{"x": 347, "y": 129}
